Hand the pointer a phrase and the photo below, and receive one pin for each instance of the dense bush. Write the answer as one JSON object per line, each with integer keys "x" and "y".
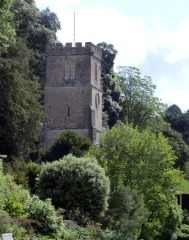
{"x": 13, "y": 198}
{"x": 68, "y": 142}
{"x": 24, "y": 215}
{"x": 78, "y": 185}
{"x": 46, "y": 219}
{"x": 32, "y": 173}
{"x": 8, "y": 224}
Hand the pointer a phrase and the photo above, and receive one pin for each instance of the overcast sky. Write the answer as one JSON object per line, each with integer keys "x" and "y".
{"x": 152, "y": 35}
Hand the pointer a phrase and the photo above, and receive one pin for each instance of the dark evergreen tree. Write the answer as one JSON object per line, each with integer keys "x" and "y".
{"x": 111, "y": 92}
{"x": 179, "y": 121}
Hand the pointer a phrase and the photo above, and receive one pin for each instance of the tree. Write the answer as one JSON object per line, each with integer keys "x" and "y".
{"x": 6, "y": 27}
{"x": 22, "y": 74}
{"x": 180, "y": 148}
{"x": 36, "y": 29}
{"x": 139, "y": 106}
{"x": 179, "y": 121}
{"x": 111, "y": 90}
{"x": 127, "y": 212}
{"x": 78, "y": 185}
{"x": 49, "y": 20}
{"x": 20, "y": 111}
{"x": 144, "y": 161}
{"x": 173, "y": 113}
{"x": 68, "y": 142}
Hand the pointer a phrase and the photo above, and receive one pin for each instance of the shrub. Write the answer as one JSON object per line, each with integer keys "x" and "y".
{"x": 33, "y": 170}
{"x": 8, "y": 224}
{"x": 68, "y": 142}
{"x": 46, "y": 219}
{"x": 77, "y": 185}
{"x": 13, "y": 198}
{"x": 17, "y": 168}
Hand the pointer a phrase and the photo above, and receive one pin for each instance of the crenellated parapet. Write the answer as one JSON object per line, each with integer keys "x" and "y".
{"x": 58, "y": 49}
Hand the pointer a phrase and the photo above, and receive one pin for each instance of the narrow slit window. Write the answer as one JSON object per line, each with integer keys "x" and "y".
{"x": 96, "y": 72}
{"x": 68, "y": 111}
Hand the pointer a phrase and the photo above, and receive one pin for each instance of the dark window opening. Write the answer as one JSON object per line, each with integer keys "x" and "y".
{"x": 68, "y": 111}
{"x": 96, "y": 72}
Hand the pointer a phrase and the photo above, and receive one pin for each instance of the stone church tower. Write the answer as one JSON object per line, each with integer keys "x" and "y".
{"x": 73, "y": 91}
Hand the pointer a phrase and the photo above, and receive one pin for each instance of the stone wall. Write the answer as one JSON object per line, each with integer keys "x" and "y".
{"x": 73, "y": 90}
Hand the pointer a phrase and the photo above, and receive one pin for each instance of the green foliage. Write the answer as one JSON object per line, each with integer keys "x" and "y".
{"x": 78, "y": 185}
{"x": 13, "y": 198}
{"x": 24, "y": 215}
{"x": 127, "y": 212}
{"x": 179, "y": 121}
{"x": 173, "y": 113}
{"x": 20, "y": 111}
{"x": 45, "y": 217}
{"x": 22, "y": 68}
{"x": 36, "y": 29}
{"x": 7, "y": 33}
{"x": 32, "y": 173}
{"x": 91, "y": 232}
{"x": 144, "y": 161}
{"x": 49, "y": 20}
{"x": 17, "y": 168}
{"x": 139, "y": 106}
{"x": 179, "y": 147}
{"x": 68, "y": 142}
{"x": 184, "y": 234}
{"x": 7, "y": 224}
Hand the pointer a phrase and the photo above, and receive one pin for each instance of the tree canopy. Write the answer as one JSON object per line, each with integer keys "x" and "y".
{"x": 22, "y": 73}
{"x": 7, "y": 32}
{"x": 179, "y": 121}
{"x": 139, "y": 106}
{"x": 143, "y": 161}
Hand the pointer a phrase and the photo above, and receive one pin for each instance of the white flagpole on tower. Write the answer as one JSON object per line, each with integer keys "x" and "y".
{"x": 74, "y": 30}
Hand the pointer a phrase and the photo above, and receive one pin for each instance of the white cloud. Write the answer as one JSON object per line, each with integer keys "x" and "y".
{"x": 179, "y": 40}
{"x": 130, "y": 35}
{"x": 106, "y": 24}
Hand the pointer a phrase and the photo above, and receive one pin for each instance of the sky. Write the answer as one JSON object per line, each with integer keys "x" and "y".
{"x": 150, "y": 35}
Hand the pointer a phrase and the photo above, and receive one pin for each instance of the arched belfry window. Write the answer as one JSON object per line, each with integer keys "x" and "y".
{"x": 69, "y": 72}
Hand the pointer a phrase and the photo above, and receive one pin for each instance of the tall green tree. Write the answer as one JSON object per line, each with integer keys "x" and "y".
{"x": 37, "y": 29}
{"x": 20, "y": 111}
{"x": 143, "y": 161}
{"x": 139, "y": 106}
{"x": 6, "y": 27}
{"x": 22, "y": 76}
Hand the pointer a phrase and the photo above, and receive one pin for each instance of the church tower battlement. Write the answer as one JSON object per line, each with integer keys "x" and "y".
{"x": 73, "y": 91}
{"x": 57, "y": 49}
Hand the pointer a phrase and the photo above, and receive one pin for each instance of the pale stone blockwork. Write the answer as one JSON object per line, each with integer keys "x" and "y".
{"x": 73, "y": 91}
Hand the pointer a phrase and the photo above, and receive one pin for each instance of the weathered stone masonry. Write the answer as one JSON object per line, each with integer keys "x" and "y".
{"x": 73, "y": 91}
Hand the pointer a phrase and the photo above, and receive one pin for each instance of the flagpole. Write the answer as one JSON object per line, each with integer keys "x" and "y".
{"x": 74, "y": 30}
